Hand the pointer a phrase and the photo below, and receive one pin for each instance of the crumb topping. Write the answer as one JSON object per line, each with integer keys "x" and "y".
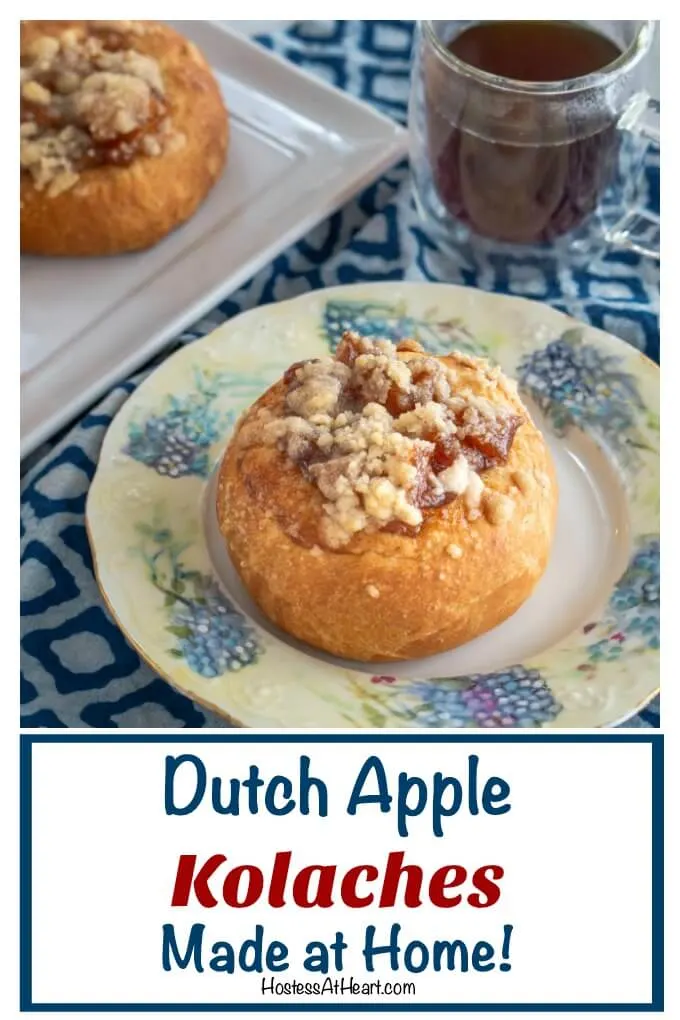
{"x": 387, "y": 433}
{"x": 88, "y": 99}
{"x": 523, "y": 480}
{"x": 497, "y": 508}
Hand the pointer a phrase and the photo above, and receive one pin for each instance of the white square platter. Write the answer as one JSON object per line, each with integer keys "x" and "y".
{"x": 299, "y": 148}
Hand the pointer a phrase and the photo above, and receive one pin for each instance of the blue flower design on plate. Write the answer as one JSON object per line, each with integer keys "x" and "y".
{"x": 213, "y": 637}
{"x": 211, "y": 634}
{"x": 516, "y": 696}
{"x": 574, "y": 382}
{"x": 392, "y": 322}
{"x": 176, "y": 441}
{"x": 633, "y": 613}
{"x": 369, "y": 319}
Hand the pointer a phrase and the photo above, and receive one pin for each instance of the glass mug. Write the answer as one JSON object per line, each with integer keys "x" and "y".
{"x": 500, "y": 163}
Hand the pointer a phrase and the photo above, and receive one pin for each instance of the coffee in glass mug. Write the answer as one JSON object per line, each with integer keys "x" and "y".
{"x": 531, "y": 132}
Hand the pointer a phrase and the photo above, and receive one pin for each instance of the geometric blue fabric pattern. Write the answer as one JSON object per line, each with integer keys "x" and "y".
{"x": 77, "y": 668}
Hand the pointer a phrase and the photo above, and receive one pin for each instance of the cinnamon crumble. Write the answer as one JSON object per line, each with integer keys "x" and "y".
{"x": 387, "y": 433}
{"x": 89, "y": 99}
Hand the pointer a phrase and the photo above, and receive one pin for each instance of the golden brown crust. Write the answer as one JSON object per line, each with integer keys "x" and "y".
{"x": 388, "y": 596}
{"x": 114, "y": 209}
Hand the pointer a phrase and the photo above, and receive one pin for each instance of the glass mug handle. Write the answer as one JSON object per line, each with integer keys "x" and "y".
{"x": 639, "y": 229}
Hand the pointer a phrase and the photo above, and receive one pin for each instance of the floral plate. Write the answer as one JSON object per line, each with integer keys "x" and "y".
{"x": 584, "y": 649}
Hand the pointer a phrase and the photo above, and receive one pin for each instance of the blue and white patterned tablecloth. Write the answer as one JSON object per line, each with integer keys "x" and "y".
{"x": 77, "y": 668}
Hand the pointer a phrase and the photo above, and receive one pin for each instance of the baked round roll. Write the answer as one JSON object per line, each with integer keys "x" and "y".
{"x": 385, "y": 504}
{"x": 123, "y": 133}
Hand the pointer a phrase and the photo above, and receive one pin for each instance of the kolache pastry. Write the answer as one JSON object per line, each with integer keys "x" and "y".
{"x": 123, "y": 134}
{"x": 386, "y": 504}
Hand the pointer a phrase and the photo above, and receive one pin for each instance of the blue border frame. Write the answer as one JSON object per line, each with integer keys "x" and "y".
{"x": 27, "y": 740}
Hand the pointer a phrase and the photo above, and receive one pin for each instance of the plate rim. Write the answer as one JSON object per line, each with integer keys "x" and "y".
{"x": 306, "y": 296}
